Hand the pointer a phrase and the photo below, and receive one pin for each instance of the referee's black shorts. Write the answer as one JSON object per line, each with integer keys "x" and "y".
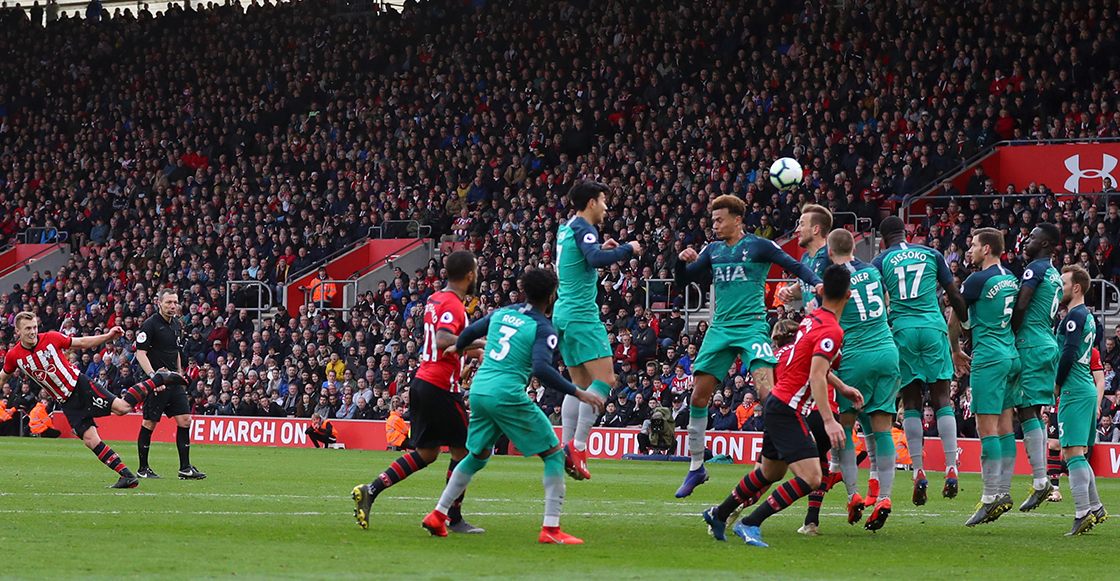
{"x": 172, "y": 401}
{"x": 438, "y": 416}
{"x": 86, "y": 403}
{"x": 786, "y": 437}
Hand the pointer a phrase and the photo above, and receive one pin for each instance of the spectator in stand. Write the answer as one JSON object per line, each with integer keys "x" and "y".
{"x": 671, "y": 329}
{"x": 723, "y": 418}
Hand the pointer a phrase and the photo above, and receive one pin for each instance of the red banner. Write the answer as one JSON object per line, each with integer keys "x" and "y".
{"x": 1066, "y": 168}
{"x": 604, "y": 443}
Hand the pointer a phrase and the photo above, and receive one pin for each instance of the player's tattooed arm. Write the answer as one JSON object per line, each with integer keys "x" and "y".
{"x": 763, "y": 381}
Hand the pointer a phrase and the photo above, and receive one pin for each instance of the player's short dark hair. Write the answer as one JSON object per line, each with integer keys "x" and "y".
{"x": 841, "y": 242}
{"x": 164, "y": 292}
{"x": 459, "y": 264}
{"x": 784, "y": 332}
{"x": 584, "y": 191}
{"x": 818, "y": 216}
{"x": 1078, "y": 276}
{"x": 891, "y": 225}
{"x": 837, "y": 280}
{"x": 1051, "y": 232}
{"x": 539, "y": 284}
{"x": 733, "y": 205}
{"x": 990, "y": 237}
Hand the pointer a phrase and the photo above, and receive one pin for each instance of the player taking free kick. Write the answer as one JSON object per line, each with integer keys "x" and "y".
{"x": 520, "y": 341}
{"x": 41, "y": 359}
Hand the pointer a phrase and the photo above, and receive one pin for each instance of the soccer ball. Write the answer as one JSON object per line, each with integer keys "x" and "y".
{"x": 785, "y": 174}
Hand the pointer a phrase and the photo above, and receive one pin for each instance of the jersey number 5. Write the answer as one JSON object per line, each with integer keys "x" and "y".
{"x": 503, "y": 343}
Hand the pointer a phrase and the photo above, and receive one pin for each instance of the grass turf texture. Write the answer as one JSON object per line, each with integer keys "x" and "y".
{"x": 269, "y": 513}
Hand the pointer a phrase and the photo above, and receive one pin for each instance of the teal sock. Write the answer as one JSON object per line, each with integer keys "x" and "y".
{"x": 1079, "y": 476}
{"x": 947, "y": 431}
{"x": 600, "y": 387}
{"x": 848, "y": 469}
{"x": 1034, "y": 441}
{"x": 460, "y": 478}
{"x": 1007, "y": 456}
{"x": 884, "y": 459}
{"x": 697, "y": 427}
{"x": 990, "y": 466}
{"x": 915, "y": 440}
{"x": 471, "y": 464}
{"x": 554, "y": 487}
{"x": 697, "y": 411}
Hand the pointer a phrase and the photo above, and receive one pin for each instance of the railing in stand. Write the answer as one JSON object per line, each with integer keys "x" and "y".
{"x": 262, "y": 306}
{"x": 323, "y": 303}
{"x": 668, "y": 282}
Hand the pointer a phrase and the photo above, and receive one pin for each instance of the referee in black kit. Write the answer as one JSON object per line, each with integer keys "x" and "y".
{"x": 157, "y": 347}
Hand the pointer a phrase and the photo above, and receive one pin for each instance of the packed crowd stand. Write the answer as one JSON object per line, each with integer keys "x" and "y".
{"x": 198, "y": 145}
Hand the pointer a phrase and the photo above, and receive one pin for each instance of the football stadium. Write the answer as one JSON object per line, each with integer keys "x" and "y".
{"x": 351, "y": 289}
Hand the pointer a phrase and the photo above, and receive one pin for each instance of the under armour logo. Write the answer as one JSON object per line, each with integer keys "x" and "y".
{"x": 1073, "y": 164}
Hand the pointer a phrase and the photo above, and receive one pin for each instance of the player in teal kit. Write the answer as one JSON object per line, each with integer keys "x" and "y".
{"x": 870, "y": 364}
{"x": 1080, "y": 399}
{"x": 582, "y": 337}
{"x": 911, "y": 275}
{"x": 520, "y": 341}
{"x": 991, "y": 294}
{"x": 738, "y": 264}
{"x": 1040, "y": 294}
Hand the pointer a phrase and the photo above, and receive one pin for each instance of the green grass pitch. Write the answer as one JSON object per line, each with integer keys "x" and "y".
{"x": 278, "y": 513}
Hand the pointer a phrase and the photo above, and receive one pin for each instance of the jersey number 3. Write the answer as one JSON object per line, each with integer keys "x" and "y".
{"x": 503, "y": 343}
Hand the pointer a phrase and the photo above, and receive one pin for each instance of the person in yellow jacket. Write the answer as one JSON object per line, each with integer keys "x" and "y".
{"x": 396, "y": 430}
{"x": 9, "y": 418}
{"x": 321, "y": 431}
{"x": 41, "y": 424}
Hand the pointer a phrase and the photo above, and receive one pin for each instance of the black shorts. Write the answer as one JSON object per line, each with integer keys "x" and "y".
{"x": 438, "y": 416}
{"x": 171, "y": 401}
{"x": 87, "y": 402}
{"x": 786, "y": 436}
{"x": 816, "y": 427}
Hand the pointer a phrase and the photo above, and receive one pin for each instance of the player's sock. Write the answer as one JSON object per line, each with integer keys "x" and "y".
{"x": 848, "y": 469}
{"x": 782, "y": 497}
{"x": 697, "y": 426}
{"x": 143, "y": 444}
{"x": 947, "y": 430}
{"x": 872, "y": 447}
{"x": 110, "y": 458}
{"x": 1034, "y": 440}
{"x": 1079, "y": 477}
{"x": 135, "y": 395}
{"x": 1007, "y": 456}
{"x": 1094, "y": 498}
{"x": 587, "y": 415}
{"x": 400, "y": 469}
{"x": 816, "y": 497}
{"x": 884, "y": 457}
{"x": 553, "y": 488}
{"x": 912, "y": 426}
{"x": 991, "y": 465}
{"x": 456, "y": 513}
{"x": 183, "y": 443}
{"x": 750, "y": 486}
{"x": 569, "y": 417}
{"x": 459, "y": 480}
{"x": 1054, "y": 465}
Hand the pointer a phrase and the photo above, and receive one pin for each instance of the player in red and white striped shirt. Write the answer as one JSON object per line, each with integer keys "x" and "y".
{"x": 40, "y": 358}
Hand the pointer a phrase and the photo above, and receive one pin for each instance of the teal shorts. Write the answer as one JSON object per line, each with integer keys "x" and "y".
{"x": 875, "y": 374}
{"x": 1077, "y": 416}
{"x": 1036, "y": 382}
{"x": 923, "y": 355}
{"x": 995, "y": 385}
{"x": 519, "y": 419}
{"x": 581, "y": 341}
{"x": 723, "y": 343}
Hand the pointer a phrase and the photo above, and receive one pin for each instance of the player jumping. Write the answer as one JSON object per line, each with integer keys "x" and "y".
{"x": 738, "y": 264}
{"x": 786, "y": 441}
{"x": 1040, "y": 294}
{"x": 520, "y": 343}
{"x": 582, "y": 337}
{"x": 39, "y": 357}
{"x": 870, "y": 364}
{"x": 1077, "y": 415}
{"x": 911, "y": 275}
{"x": 995, "y": 367}
{"x": 438, "y": 415}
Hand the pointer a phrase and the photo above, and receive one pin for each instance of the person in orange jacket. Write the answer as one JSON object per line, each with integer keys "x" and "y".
{"x": 396, "y": 430}
{"x": 41, "y": 424}
{"x": 9, "y": 418}
{"x": 321, "y": 431}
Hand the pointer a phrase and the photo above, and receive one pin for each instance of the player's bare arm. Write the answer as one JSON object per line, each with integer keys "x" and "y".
{"x": 846, "y": 390}
{"x": 961, "y": 361}
{"x": 1021, "y": 305}
{"x": 95, "y": 340}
